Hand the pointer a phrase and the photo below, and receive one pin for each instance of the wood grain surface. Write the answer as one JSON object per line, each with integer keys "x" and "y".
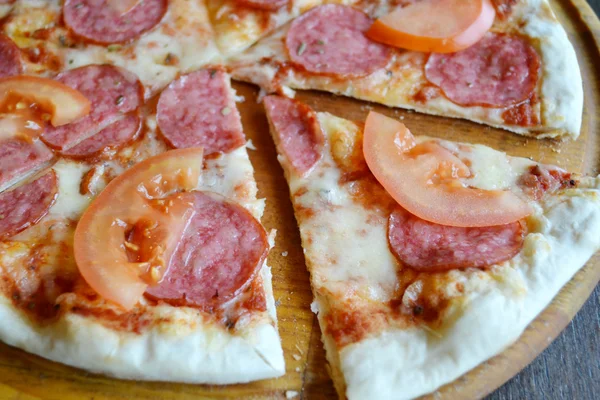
{"x": 569, "y": 370}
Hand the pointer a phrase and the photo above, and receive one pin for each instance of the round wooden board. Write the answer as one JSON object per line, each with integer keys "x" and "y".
{"x": 24, "y": 376}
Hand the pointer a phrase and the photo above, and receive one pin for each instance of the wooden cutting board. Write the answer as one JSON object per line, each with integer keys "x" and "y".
{"x": 25, "y": 377}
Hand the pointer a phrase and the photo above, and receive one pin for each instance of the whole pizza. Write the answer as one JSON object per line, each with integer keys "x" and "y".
{"x": 131, "y": 241}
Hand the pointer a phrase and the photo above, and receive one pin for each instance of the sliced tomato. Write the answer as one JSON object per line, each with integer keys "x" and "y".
{"x": 440, "y": 26}
{"x": 122, "y": 6}
{"x": 427, "y": 179}
{"x": 125, "y": 239}
{"x": 62, "y": 103}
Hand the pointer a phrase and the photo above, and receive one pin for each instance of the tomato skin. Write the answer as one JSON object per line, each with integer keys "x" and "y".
{"x": 425, "y": 179}
{"x": 62, "y": 102}
{"x": 446, "y": 26}
{"x": 139, "y": 200}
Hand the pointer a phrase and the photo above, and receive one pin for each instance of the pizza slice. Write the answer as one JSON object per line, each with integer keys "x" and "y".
{"x": 522, "y": 75}
{"x": 427, "y": 257}
{"x": 134, "y": 247}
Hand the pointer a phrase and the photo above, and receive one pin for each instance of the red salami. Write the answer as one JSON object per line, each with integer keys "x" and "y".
{"x": 218, "y": 256}
{"x": 330, "y": 39}
{"x": 114, "y": 136}
{"x": 10, "y": 58}
{"x": 299, "y": 135}
{"x": 269, "y": 5}
{"x": 426, "y": 246}
{"x": 498, "y": 71}
{"x": 19, "y": 157}
{"x": 198, "y": 110}
{"x": 95, "y": 21}
{"x": 26, "y": 205}
{"x": 112, "y": 92}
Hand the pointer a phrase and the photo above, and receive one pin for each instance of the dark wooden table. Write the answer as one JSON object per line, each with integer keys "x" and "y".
{"x": 569, "y": 369}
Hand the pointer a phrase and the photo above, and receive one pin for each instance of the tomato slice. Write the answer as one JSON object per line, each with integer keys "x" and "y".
{"x": 64, "y": 104}
{"x": 125, "y": 239}
{"x": 440, "y": 26}
{"x": 426, "y": 179}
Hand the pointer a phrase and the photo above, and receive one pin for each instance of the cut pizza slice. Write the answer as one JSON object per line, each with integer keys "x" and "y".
{"x": 141, "y": 255}
{"x": 521, "y": 75}
{"x": 427, "y": 257}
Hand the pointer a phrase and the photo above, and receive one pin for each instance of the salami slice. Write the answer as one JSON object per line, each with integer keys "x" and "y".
{"x": 26, "y": 205}
{"x": 112, "y": 92}
{"x": 426, "y": 246}
{"x": 218, "y": 256}
{"x": 298, "y": 133}
{"x": 10, "y": 58}
{"x": 95, "y": 21}
{"x": 330, "y": 39}
{"x": 114, "y": 136}
{"x": 19, "y": 158}
{"x": 498, "y": 71}
{"x": 269, "y": 5}
{"x": 199, "y": 110}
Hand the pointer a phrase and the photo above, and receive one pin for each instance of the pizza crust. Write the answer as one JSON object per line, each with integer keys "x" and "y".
{"x": 173, "y": 353}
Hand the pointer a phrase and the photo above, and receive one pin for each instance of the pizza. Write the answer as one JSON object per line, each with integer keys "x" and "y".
{"x": 520, "y": 73}
{"x": 130, "y": 230}
{"x": 426, "y": 257}
{"x": 131, "y": 241}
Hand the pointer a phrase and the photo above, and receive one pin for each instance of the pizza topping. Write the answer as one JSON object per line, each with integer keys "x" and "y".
{"x": 426, "y": 246}
{"x": 426, "y": 179}
{"x": 109, "y": 253}
{"x": 269, "y": 5}
{"x": 219, "y": 254}
{"x": 499, "y": 71}
{"x": 199, "y": 109}
{"x": 112, "y": 92}
{"x": 540, "y": 180}
{"x": 331, "y": 39}
{"x": 114, "y": 136}
{"x": 299, "y": 135}
{"x": 92, "y": 20}
{"x": 10, "y": 58}
{"x": 24, "y": 206}
{"x": 442, "y": 26}
{"x": 41, "y": 97}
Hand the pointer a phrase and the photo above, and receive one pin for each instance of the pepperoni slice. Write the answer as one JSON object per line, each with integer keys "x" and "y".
{"x": 331, "y": 39}
{"x": 95, "y": 21}
{"x": 269, "y": 5}
{"x": 19, "y": 157}
{"x": 114, "y": 136}
{"x": 112, "y": 91}
{"x": 198, "y": 110}
{"x": 218, "y": 256}
{"x": 26, "y": 205}
{"x": 10, "y": 58}
{"x": 426, "y": 246}
{"x": 498, "y": 71}
{"x": 297, "y": 131}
